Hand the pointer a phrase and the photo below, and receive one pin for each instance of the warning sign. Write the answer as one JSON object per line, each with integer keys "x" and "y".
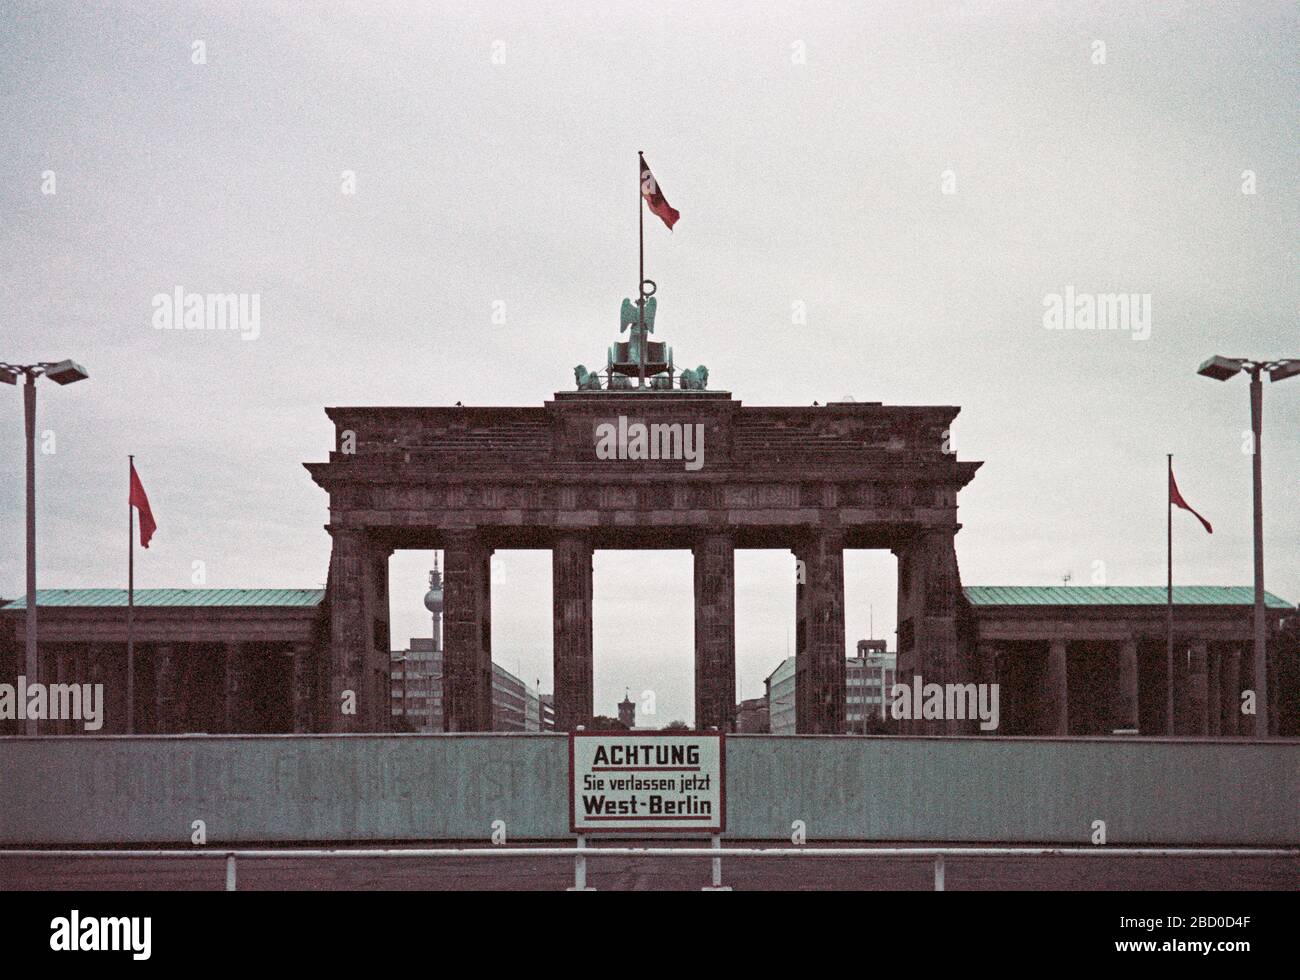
{"x": 640, "y": 781}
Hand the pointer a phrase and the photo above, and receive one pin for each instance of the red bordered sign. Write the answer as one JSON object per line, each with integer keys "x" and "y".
{"x": 633, "y": 782}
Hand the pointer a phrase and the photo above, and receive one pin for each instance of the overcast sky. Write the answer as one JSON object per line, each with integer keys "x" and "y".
{"x": 808, "y": 149}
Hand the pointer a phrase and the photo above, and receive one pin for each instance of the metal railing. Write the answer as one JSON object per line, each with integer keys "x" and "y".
{"x": 581, "y": 853}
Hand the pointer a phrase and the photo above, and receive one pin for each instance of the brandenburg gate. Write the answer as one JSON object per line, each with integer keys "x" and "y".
{"x": 574, "y": 475}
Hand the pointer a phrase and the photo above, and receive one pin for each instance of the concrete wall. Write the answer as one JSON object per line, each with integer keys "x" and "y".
{"x": 1015, "y": 789}
{"x": 108, "y": 790}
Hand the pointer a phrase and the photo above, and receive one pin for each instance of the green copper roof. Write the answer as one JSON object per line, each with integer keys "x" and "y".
{"x": 1117, "y": 595}
{"x": 979, "y": 595}
{"x": 280, "y": 598}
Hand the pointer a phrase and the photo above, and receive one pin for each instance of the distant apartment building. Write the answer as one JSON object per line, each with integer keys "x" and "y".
{"x": 547, "y": 704}
{"x": 532, "y": 710}
{"x": 869, "y": 676}
{"x": 780, "y": 698}
{"x": 417, "y": 694}
{"x": 509, "y": 702}
{"x": 417, "y": 687}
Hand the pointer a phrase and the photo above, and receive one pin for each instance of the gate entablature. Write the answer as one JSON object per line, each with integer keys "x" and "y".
{"x": 434, "y": 466}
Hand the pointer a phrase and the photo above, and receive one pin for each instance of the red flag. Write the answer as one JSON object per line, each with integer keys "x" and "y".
{"x": 1177, "y": 500}
{"x": 655, "y": 197}
{"x": 139, "y": 501}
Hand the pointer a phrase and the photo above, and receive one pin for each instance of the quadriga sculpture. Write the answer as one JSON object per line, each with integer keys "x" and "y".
{"x": 695, "y": 379}
{"x": 587, "y": 380}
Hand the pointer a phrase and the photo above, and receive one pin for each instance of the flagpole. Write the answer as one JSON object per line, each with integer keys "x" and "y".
{"x": 130, "y": 604}
{"x": 1169, "y": 597}
{"x": 640, "y": 284}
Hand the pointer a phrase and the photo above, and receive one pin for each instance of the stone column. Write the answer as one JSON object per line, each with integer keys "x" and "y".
{"x": 1230, "y": 691}
{"x": 304, "y": 688}
{"x": 1056, "y": 691}
{"x": 467, "y": 654}
{"x": 350, "y": 633}
{"x": 1274, "y": 689}
{"x": 47, "y": 666}
{"x": 715, "y": 632}
{"x": 820, "y": 686}
{"x": 377, "y": 715}
{"x": 230, "y": 708}
{"x": 1196, "y": 689}
{"x": 1213, "y": 697}
{"x": 1178, "y": 678}
{"x": 986, "y": 670}
{"x": 484, "y": 684}
{"x": 1126, "y": 703}
{"x": 929, "y": 590}
{"x": 94, "y": 674}
{"x": 75, "y": 655}
{"x": 62, "y": 675}
{"x": 131, "y": 701}
{"x": 165, "y": 693}
{"x": 1247, "y": 724}
{"x": 571, "y": 557}
{"x": 104, "y": 671}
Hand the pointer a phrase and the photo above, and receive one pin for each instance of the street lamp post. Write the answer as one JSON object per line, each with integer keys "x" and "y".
{"x": 60, "y": 372}
{"x": 1221, "y": 369}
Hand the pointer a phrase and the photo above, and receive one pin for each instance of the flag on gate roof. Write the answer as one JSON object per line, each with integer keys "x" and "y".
{"x": 654, "y": 197}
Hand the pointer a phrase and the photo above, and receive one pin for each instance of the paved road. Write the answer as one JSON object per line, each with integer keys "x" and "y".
{"x": 620, "y": 874}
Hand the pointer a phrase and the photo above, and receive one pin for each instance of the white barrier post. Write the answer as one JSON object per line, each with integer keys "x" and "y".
{"x": 938, "y": 872}
{"x": 230, "y": 872}
{"x": 580, "y": 868}
{"x": 717, "y": 885}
